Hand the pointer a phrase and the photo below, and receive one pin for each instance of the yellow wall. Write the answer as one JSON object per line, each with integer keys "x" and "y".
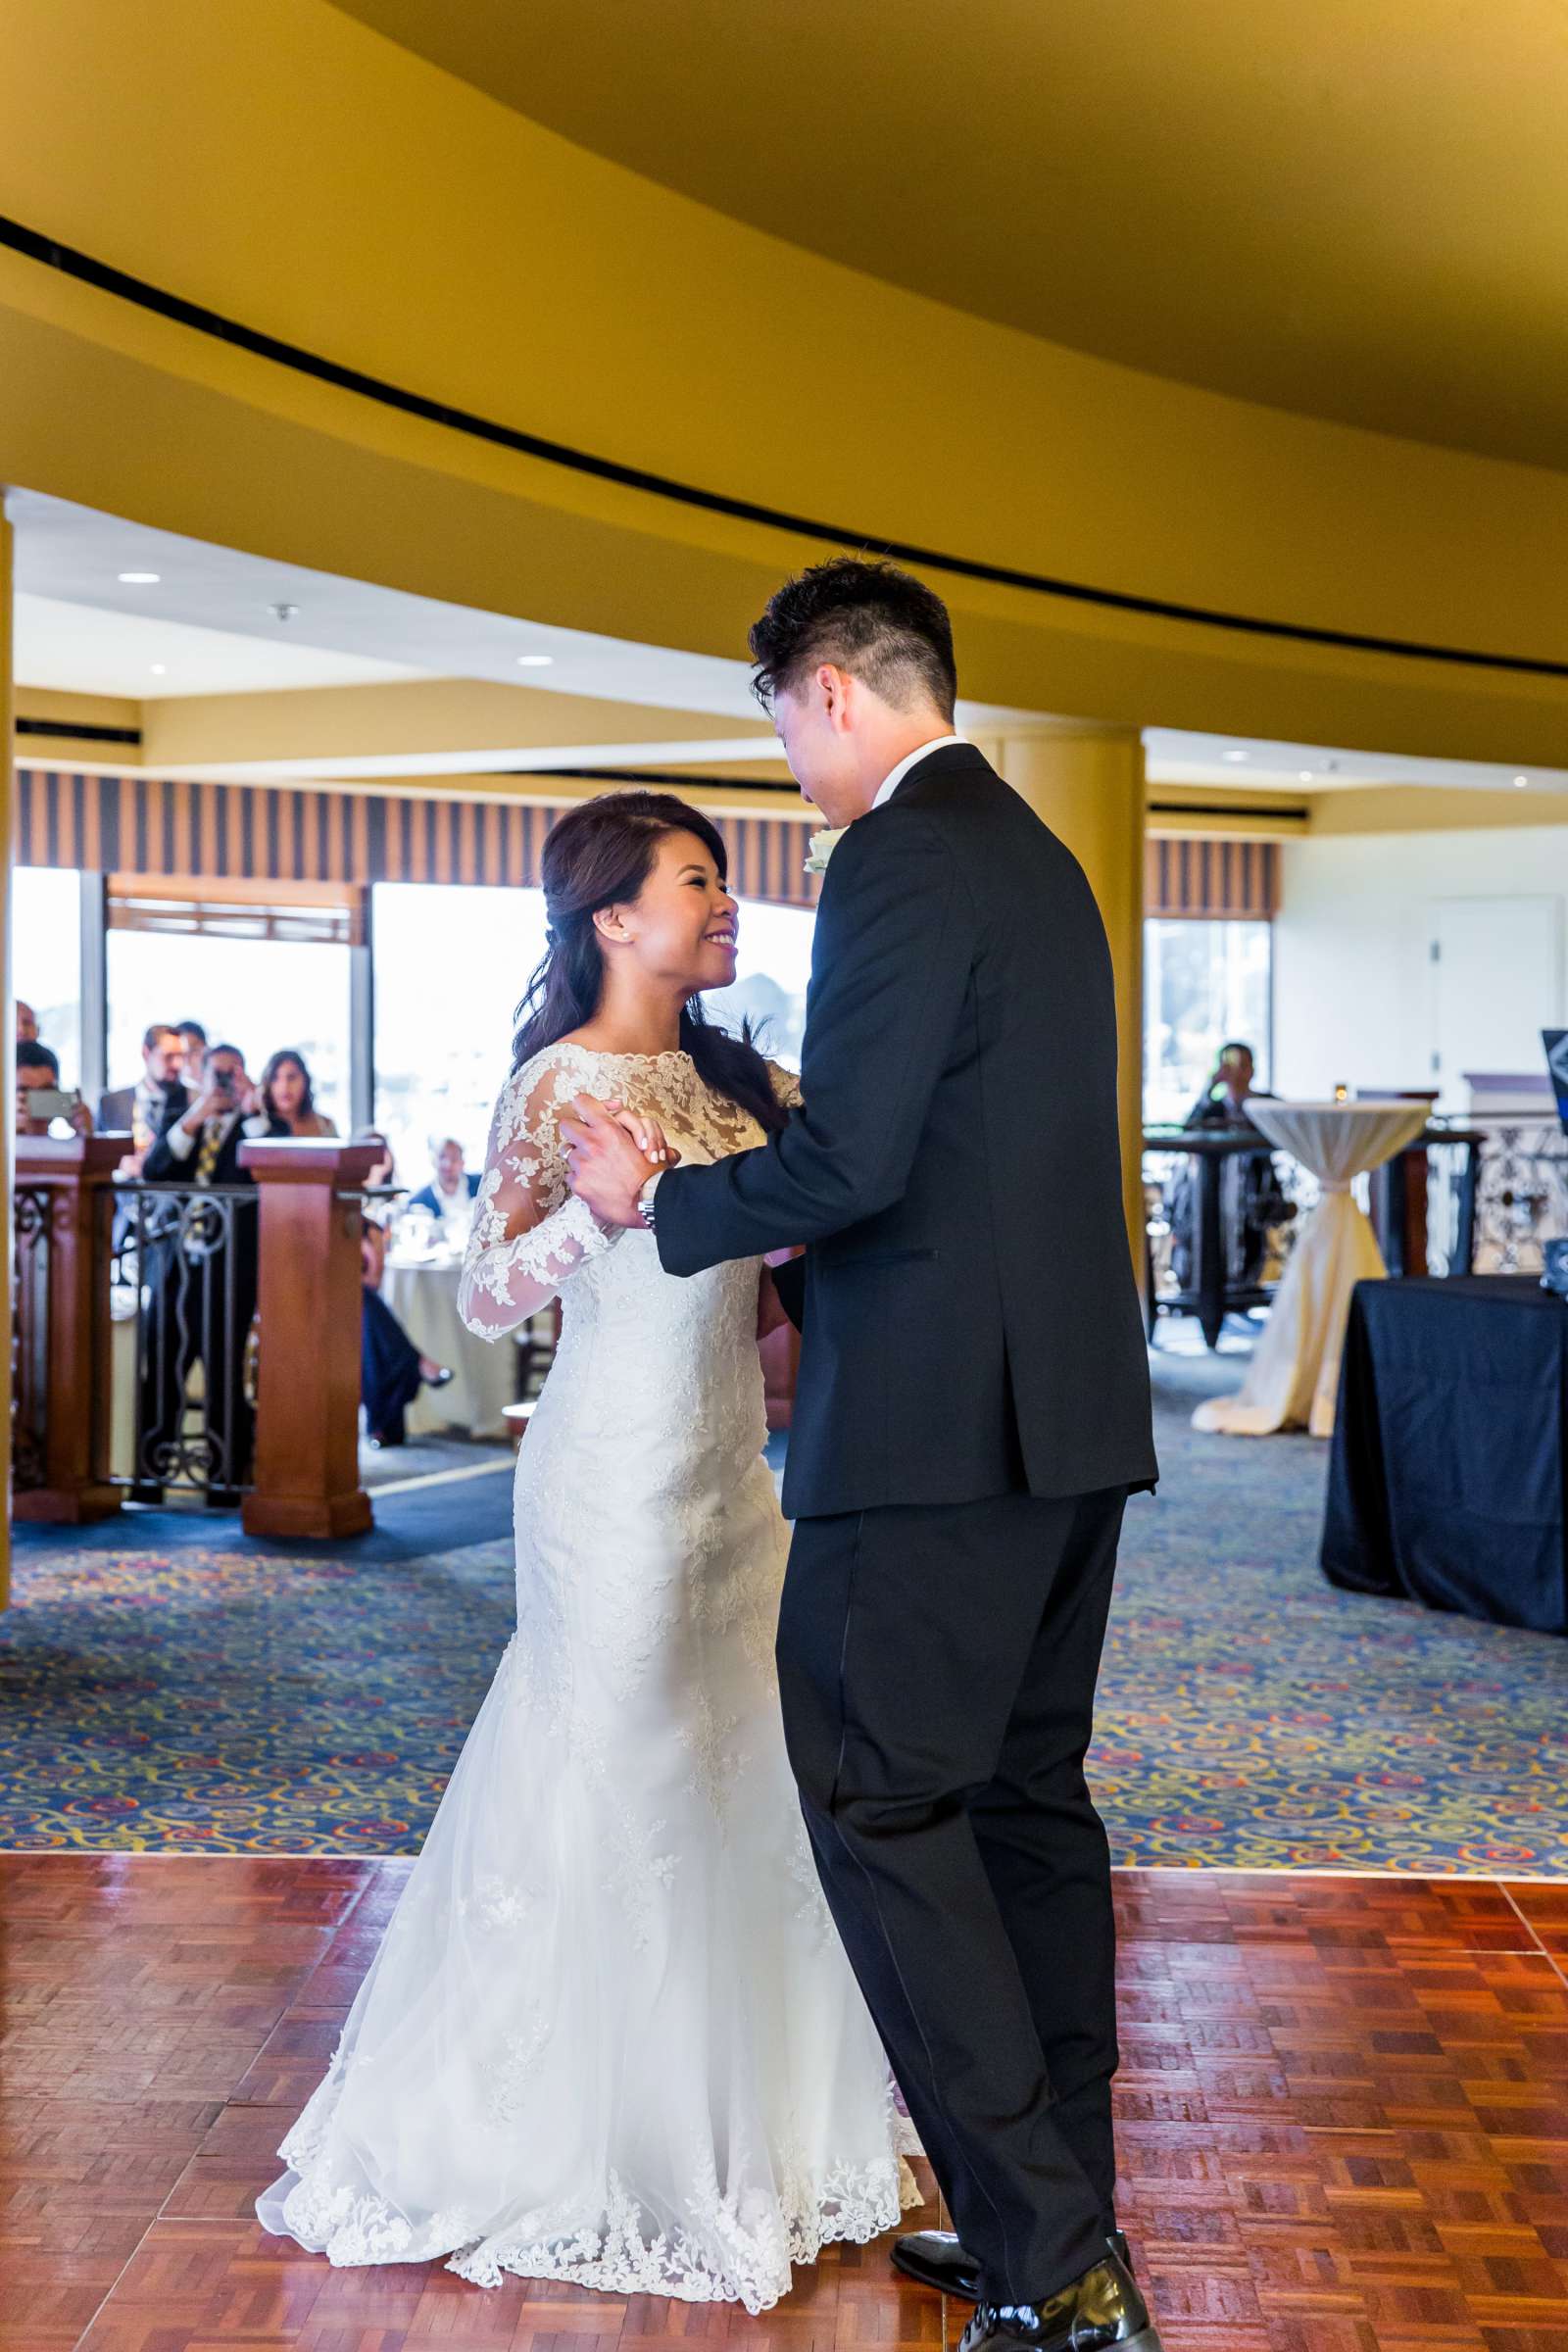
{"x": 292, "y": 170}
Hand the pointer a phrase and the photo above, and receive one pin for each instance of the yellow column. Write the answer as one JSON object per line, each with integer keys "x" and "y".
{"x": 8, "y": 1034}
{"x": 1087, "y": 782}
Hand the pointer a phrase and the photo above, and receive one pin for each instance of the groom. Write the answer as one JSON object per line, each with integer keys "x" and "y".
{"x": 972, "y": 1412}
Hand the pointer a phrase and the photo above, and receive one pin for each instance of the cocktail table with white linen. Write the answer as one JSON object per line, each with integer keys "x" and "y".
{"x": 1293, "y": 1377}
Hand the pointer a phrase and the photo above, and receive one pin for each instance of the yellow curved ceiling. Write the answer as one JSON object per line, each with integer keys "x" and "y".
{"x": 1356, "y": 212}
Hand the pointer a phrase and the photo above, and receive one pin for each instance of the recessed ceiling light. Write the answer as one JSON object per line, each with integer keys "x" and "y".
{"x": 140, "y": 579}
{"x": 535, "y": 660}
{"x": 1306, "y": 775}
{"x": 159, "y": 669}
{"x": 1521, "y": 780}
{"x": 1236, "y": 757}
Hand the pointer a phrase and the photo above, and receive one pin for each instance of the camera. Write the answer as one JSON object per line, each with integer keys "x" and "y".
{"x": 52, "y": 1101}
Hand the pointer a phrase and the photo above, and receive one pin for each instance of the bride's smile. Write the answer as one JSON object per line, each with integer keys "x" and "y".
{"x": 678, "y": 936}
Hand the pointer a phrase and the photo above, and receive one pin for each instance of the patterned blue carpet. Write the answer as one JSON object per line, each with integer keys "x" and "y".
{"x": 164, "y": 1685}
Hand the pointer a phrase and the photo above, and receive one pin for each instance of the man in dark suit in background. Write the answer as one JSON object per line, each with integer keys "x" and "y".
{"x": 199, "y": 1267}
{"x": 159, "y": 1097}
{"x": 955, "y": 1537}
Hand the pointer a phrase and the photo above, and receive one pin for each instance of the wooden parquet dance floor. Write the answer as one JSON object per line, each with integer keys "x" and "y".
{"x": 1343, "y": 2123}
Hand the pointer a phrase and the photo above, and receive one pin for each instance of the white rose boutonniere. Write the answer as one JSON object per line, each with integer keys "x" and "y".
{"x": 823, "y": 846}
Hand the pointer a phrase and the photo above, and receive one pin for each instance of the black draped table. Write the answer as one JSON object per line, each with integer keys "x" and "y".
{"x": 1447, "y": 1477}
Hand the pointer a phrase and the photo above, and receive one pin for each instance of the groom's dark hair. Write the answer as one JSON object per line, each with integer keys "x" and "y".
{"x": 881, "y": 625}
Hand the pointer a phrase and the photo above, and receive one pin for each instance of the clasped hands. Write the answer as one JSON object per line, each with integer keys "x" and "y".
{"x": 611, "y": 1153}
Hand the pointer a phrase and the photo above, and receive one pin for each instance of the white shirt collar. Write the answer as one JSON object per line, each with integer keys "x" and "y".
{"x": 922, "y": 750}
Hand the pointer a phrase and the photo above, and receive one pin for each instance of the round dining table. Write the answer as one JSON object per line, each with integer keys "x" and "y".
{"x": 1292, "y": 1380}
{"x": 423, "y": 1293}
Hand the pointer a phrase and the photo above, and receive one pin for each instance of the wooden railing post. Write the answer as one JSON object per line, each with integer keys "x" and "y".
{"x": 308, "y": 1397}
{"x": 63, "y": 1327}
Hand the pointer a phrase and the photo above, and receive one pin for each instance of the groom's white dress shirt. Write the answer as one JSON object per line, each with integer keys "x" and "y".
{"x": 890, "y": 782}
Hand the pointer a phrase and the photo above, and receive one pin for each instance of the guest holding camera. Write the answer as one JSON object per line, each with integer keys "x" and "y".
{"x": 40, "y": 1098}
{"x": 200, "y": 1265}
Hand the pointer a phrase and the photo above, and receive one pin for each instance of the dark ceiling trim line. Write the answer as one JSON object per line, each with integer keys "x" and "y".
{"x": 1222, "y": 808}
{"x": 71, "y": 263}
{"x": 74, "y": 730}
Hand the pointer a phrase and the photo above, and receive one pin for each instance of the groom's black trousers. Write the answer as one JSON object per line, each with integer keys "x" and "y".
{"x": 937, "y": 1668}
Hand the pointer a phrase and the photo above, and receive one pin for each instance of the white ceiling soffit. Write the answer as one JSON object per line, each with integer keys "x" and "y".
{"x": 81, "y": 649}
{"x": 1177, "y": 758}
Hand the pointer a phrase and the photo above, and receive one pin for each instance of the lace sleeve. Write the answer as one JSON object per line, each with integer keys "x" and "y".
{"x": 786, "y": 1086}
{"x": 530, "y": 1233}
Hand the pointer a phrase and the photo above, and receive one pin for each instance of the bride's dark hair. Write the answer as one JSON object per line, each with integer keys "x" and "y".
{"x": 600, "y": 855}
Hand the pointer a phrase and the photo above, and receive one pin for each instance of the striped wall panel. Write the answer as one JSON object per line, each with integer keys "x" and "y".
{"x": 149, "y": 825}
{"x": 1228, "y": 880}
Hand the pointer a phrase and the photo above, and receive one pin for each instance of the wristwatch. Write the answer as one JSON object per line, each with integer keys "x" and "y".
{"x": 645, "y": 1202}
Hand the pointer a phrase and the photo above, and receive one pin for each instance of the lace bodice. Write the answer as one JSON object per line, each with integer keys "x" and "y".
{"x": 530, "y": 1235}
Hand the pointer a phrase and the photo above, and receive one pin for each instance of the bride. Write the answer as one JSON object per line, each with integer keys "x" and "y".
{"x": 610, "y": 2035}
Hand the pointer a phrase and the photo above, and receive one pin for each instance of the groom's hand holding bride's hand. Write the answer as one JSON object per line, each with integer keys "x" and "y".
{"x": 611, "y": 1153}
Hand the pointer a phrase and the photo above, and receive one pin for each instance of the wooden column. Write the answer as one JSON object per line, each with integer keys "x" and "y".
{"x": 1087, "y": 782}
{"x": 61, "y": 1428}
{"x": 308, "y": 1402}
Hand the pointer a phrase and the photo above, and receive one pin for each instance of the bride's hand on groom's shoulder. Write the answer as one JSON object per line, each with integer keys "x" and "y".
{"x": 605, "y": 1163}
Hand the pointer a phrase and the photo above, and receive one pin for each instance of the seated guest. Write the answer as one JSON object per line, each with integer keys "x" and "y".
{"x": 26, "y": 1024}
{"x": 157, "y": 1096}
{"x": 450, "y": 1198}
{"x": 391, "y": 1367}
{"x": 1252, "y": 1202}
{"x": 200, "y": 1268}
{"x": 288, "y": 1098}
{"x": 38, "y": 1072}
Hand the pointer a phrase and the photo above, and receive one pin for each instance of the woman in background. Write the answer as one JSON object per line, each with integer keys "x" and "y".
{"x": 289, "y": 1098}
{"x": 391, "y": 1368}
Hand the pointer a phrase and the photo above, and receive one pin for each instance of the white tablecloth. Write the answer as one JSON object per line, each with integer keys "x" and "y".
{"x": 1293, "y": 1377}
{"x": 423, "y": 1296}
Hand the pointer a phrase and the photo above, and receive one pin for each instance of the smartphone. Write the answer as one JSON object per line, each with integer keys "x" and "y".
{"x": 52, "y": 1101}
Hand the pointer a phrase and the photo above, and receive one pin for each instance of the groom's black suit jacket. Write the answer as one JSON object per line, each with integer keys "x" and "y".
{"x": 971, "y": 1325}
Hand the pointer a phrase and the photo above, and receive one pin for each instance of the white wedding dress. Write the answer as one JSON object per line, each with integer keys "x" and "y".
{"x": 610, "y": 2035}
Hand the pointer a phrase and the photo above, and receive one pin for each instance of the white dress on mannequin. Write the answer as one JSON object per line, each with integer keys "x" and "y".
{"x": 610, "y": 2035}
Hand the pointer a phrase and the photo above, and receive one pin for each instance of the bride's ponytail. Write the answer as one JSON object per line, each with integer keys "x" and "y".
{"x": 600, "y": 855}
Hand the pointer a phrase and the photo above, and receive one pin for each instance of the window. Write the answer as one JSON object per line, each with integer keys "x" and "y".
{"x": 1203, "y": 983}
{"x": 259, "y": 990}
{"x": 452, "y": 961}
{"x": 46, "y": 958}
{"x": 770, "y": 978}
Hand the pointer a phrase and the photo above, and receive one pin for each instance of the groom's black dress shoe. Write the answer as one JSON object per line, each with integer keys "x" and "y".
{"x": 936, "y": 2258}
{"x": 1100, "y": 2310}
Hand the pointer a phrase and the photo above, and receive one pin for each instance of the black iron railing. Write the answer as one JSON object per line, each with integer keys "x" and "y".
{"x": 184, "y": 1271}
{"x": 29, "y": 1335}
